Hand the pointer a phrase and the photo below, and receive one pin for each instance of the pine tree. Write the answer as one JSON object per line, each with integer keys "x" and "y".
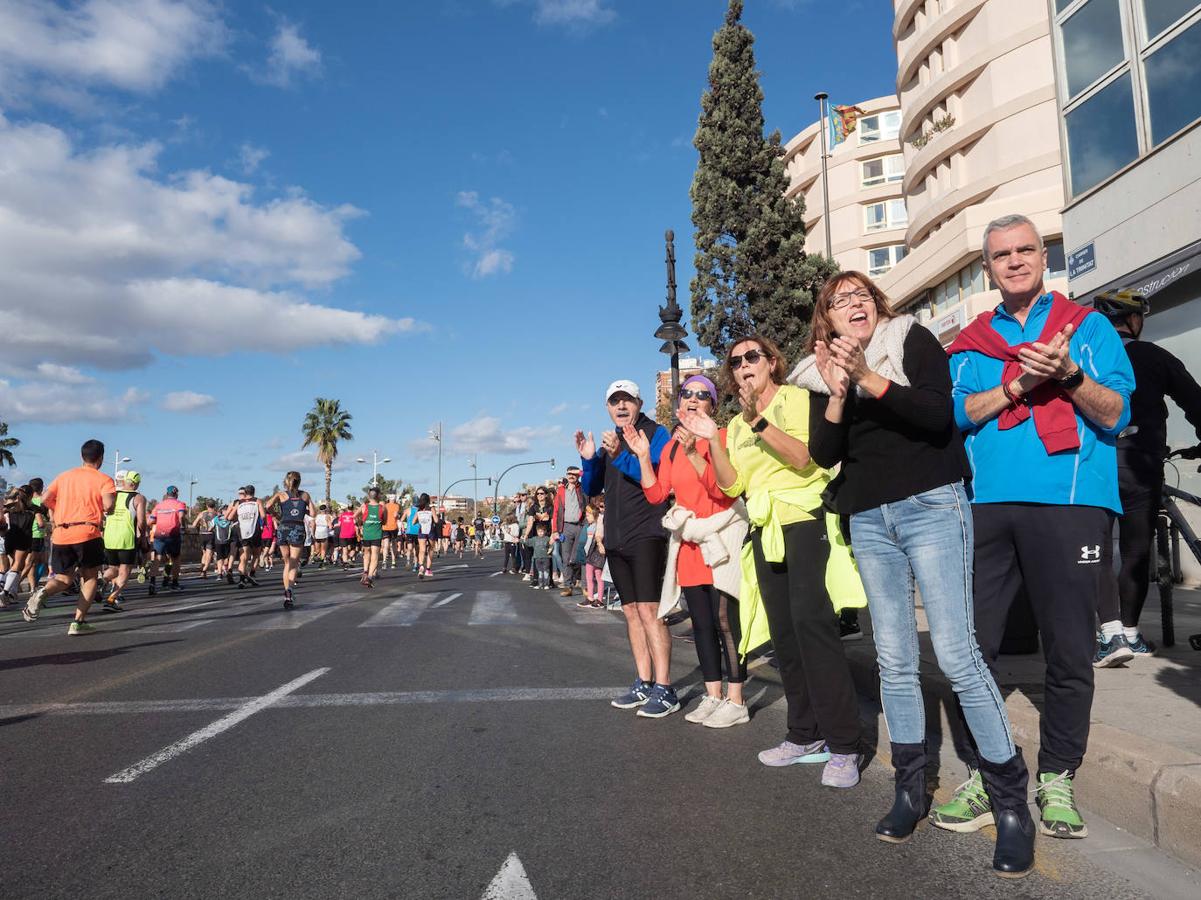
{"x": 752, "y": 272}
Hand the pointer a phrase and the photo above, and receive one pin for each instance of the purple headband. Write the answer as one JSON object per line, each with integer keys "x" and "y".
{"x": 703, "y": 380}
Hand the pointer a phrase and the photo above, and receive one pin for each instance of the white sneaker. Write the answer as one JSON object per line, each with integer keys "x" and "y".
{"x": 707, "y": 707}
{"x": 525, "y": 577}
{"x": 729, "y": 713}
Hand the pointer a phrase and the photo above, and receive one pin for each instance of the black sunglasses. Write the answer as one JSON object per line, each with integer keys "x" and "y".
{"x": 689, "y": 394}
{"x": 751, "y": 357}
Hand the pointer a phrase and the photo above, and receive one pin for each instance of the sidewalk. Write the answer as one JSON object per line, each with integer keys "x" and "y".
{"x": 1143, "y": 768}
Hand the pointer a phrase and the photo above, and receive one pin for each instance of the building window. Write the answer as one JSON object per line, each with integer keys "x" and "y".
{"x": 1158, "y": 15}
{"x": 1101, "y": 134}
{"x": 1092, "y": 43}
{"x": 1174, "y": 83}
{"x": 1057, "y": 264}
{"x": 884, "y": 215}
{"x": 881, "y": 259}
{"x": 880, "y": 127}
{"x": 884, "y": 170}
{"x": 1128, "y": 80}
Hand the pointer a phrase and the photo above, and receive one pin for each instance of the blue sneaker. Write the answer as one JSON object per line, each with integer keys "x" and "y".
{"x": 635, "y": 696}
{"x": 1140, "y": 646}
{"x": 661, "y": 702}
{"x": 1112, "y": 652}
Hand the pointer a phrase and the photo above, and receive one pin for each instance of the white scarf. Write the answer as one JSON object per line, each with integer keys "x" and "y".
{"x": 885, "y": 355}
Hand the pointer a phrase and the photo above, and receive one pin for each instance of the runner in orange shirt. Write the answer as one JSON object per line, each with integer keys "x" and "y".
{"x": 391, "y": 530}
{"x": 79, "y": 498}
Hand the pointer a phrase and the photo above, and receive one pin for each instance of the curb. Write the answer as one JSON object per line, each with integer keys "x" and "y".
{"x": 1151, "y": 789}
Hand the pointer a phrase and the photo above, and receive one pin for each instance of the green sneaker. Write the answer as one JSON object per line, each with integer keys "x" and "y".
{"x": 969, "y": 810}
{"x": 1060, "y": 818}
{"x": 81, "y": 628}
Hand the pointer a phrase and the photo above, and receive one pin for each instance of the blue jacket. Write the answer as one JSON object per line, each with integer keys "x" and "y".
{"x": 629, "y": 517}
{"x": 1013, "y": 466}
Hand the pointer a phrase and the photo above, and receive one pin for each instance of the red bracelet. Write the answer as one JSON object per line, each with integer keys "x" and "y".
{"x": 1009, "y": 394}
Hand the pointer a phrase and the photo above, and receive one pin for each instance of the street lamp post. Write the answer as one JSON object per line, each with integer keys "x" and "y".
{"x": 192, "y": 482}
{"x": 375, "y": 461}
{"x": 437, "y": 436}
{"x": 671, "y": 332}
{"x": 475, "y": 486}
{"x": 821, "y": 97}
{"x": 117, "y": 460}
{"x": 496, "y": 485}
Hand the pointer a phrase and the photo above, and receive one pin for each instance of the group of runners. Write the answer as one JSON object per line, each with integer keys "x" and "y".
{"x": 105, "y": 532}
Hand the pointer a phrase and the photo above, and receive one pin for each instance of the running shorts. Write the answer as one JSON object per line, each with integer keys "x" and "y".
{"x": 254, "y": 542}
{"x": 207, "y": 540}
{"x": 637, "y": 571}
{"x": 38, "y": 544}
{"x": 18, "y": 541}
{"x": 372, "y": 542}
{"x": 87, "y": 555}
{"x": 167, "y": 545}
{"x": 121, "y": 557}
{"x": 221, "y": 550}
{"x": 290, "y": 535}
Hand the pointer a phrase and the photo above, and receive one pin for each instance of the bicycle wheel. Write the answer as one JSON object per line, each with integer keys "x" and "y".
{"x": 1164, "y": 579}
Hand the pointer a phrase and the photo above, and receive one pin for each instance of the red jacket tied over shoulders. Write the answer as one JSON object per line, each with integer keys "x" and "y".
{"x": 698, "y": 493}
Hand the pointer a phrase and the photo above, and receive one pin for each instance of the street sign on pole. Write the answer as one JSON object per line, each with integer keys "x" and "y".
{"x": 495, "y": 520}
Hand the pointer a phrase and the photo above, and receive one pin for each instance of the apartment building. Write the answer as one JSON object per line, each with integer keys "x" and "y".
{"x": 980, "y": 138}
{"x": 867, "y": 218}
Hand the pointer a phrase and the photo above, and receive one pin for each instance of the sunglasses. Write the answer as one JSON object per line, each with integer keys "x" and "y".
{"x": 688, "y": 394}
{"x": 750, "y": 358}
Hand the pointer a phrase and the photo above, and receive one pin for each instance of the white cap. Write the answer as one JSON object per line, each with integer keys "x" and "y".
{"x": 621, "y": 386}
{"x": 120, "y": 476}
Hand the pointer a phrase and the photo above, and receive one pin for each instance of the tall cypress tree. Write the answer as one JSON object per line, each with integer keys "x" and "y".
{"x": 752, "y": 271}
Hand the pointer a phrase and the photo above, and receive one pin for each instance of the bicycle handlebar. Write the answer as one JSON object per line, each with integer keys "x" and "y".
{"x": 1186, "y": 453}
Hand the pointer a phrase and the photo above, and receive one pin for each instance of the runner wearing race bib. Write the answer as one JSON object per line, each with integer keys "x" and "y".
{"x": 371, "y": 517}
{"x": 168, "y": 537}
{"x": 424, "y": 520}
{"x": 247, "y": 514}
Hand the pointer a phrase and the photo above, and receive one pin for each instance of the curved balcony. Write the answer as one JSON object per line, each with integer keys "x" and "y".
{"x": 935, "y": 33}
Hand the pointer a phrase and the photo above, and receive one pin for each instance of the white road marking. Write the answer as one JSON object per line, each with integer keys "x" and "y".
{"x": 312, "y": 701}
{"x": 125, "y": 776}
{"x": 447, "y": 600}
{"x": 455, "y": 566}
{"x": 402, "y": 611}
{"x": 493, "y": 608}
{"x": 510, "y": 883}
{"x": 494, "y": 574}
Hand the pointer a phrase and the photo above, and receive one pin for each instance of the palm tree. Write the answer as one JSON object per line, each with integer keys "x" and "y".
{"x": 6, "y": 445}
{"x": 324, "y": 425}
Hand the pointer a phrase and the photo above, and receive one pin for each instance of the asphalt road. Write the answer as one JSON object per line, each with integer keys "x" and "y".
{"x": 446, "y": 738}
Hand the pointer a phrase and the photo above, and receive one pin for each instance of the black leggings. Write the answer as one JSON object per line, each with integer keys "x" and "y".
{"x": 716, "y": 632}
{"x": 510, "y": 556}
{"x": 822, "y": 703}
{"x": 1122, "y": 597}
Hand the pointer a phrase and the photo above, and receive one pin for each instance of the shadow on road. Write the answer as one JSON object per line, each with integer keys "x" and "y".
{"x": 70, "y": 659}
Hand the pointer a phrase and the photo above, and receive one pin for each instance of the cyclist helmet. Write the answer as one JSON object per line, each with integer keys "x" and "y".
{"x": 1119, "y": 304}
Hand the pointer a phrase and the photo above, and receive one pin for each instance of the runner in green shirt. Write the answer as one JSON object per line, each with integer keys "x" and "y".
{"x": 371, "y": 518}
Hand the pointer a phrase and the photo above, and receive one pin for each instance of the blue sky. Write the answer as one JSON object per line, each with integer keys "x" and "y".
{"x": 211, "y": 213}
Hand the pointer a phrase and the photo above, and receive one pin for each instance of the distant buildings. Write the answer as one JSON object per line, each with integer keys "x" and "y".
{"x": 688, "y": 366}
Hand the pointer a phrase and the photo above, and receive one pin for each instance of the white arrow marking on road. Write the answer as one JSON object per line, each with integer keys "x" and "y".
{"x": 223, "y": 724}
{"x": 494, "y": 574}
{"x": 456, "y": 566}
{"x": 510, "y": 883}
{"x": 447, "y": 600}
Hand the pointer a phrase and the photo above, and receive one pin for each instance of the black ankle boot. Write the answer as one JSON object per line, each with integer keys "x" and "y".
{"x": 911, "y": 803}
{"x": 1006, "y": 784}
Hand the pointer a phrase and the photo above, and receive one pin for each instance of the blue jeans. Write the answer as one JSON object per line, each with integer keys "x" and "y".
{"x": 927, "y": 540}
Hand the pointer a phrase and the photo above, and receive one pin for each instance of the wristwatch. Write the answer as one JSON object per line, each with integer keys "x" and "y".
{"x": 759, "y": 426}
{"x": 1073, "y": 380}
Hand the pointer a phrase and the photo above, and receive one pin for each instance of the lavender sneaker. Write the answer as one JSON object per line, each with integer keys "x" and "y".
{"x": 842, "y": 771}
{"x": 788, "y": 754}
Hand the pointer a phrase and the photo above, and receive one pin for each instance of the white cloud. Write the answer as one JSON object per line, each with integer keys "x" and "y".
{"x": 62, "y": 374}
{"x": 291, "y": 57}
{"x": 187, "y": 263}
{"x": 486, "y": 434}
{"x": 307, "y": 464}
{"x": 189, "y": 402}
{"x": 56, "y": 52}
{"x": 251, "y": 157}
{"x": 56, "y": 403}
{"x": 558, "y": 409}
{"x": 494, "y": 221}
{"x": 571, "y": 13}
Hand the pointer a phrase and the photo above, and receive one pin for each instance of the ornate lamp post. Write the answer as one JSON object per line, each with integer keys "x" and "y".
{"x": 671, "y": 332}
